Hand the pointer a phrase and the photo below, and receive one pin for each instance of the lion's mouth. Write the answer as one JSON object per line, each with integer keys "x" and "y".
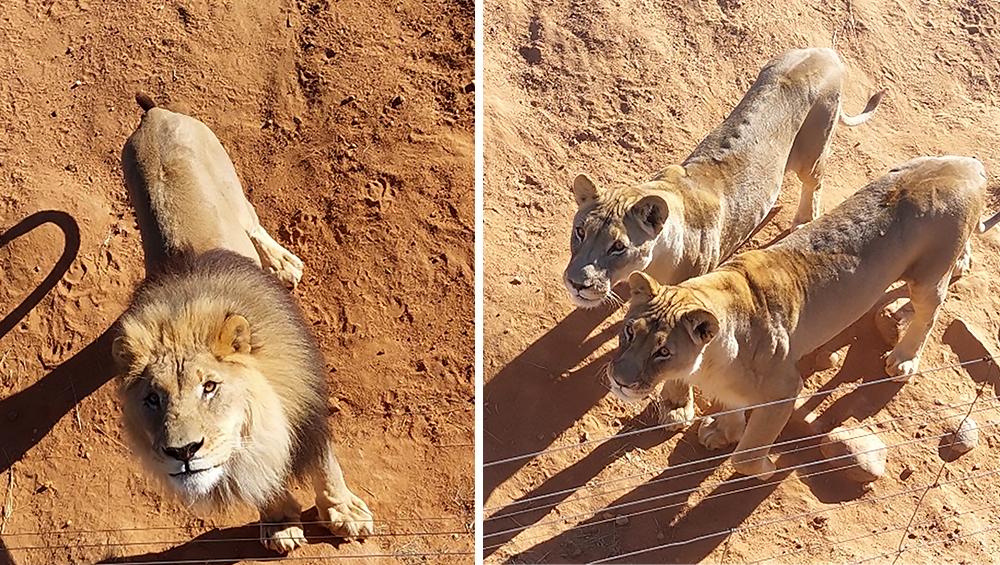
{"x": 187, "y": 472}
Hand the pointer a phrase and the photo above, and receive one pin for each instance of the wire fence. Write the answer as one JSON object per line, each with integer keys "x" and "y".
{"x": 596, "y": 491}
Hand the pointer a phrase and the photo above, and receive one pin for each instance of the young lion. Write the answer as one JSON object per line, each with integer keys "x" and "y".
{"x": 689, "y": 217}
{"x": 737, "y": 332}
{"x": 223, "y": 386}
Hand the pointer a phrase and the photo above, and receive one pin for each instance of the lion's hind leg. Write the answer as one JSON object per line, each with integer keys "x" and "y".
{"x": 343, "y": 512}
{"x": 808, "y": 156}
{"x": 274, "y": 258}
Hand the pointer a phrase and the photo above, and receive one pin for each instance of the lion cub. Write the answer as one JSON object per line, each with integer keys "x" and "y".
{"x": 223, "y": 386}
{"x": 689, "y": 217}
{"x": 737, "y": 332}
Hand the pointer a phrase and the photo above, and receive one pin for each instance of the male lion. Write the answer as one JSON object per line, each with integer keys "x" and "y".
{"x": 688, "y": 218}
{"x": 738, "y": 331}
{"x": 223, "y": 386}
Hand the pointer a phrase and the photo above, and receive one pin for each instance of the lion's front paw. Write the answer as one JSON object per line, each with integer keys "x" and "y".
{"x": 714, "y": 435}
{"x": 673, "y": 418}
{"x": 760, "y": 467}
{"x": 901, "y": 365}
{"x": 351, "y": 519}
{"x": 282, "y": 538}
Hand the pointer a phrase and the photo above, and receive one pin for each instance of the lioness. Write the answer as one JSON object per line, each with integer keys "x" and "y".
{"x": 223, "y": 386}
{"x": 737, "y": 332}
{"x": 688, "y": 218}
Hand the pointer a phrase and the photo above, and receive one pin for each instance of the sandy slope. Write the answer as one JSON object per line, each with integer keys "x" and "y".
{"x": 622, "y": 88}
{"x": 351, "y": 127}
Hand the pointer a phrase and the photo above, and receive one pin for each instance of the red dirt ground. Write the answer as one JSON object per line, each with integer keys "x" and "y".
{"x": 350, "y": 124}
{"x": 621, "y": 88}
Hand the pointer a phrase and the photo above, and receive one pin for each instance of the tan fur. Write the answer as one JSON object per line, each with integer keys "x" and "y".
{"x": 185, "y": 192}
{"x": 223, "y": 386}
{"x": 688, "y": 218}
{"x": 737, "y": 332}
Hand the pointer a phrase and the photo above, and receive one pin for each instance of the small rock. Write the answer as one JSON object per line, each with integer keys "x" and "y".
{"x": 471, "y": 87}
{"x": 818, "y": 522}
{"x": 516, "y": 280}
{"x": 964, "y": 436}
{"x": 891, "y": 321}
{"x": 348, "y": 100}
{"x": 621, "y": 521}
{"x": 857, "y": 450}
{"x": 397, "y": 101}
{"x": 906, "y": 472}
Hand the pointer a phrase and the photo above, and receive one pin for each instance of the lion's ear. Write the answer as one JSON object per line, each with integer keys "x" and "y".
{"x": 234, "y": 337}
{"x": 585, "y": 189}
{"x": 643, "y": 287}
{"x": 702, "y": 325}
{"x": 122, "y": 353}
{"x": 651, "y": 212}
{"x": 671, "y": 173}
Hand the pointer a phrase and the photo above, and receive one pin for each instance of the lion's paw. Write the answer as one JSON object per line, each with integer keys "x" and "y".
{"x": 673, "y": 418}
{"x": 760, "y": 467}
{"x": 282, "y": 538}
{"x": 713, "y": 435}
{"x": 350, "y": 520}
{"x": 901, "y": 366}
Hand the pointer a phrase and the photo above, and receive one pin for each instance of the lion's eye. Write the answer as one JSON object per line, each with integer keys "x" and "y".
{"x": 618, "y": 247}
{"x": 152, "y": 400}
{"x": 209, "y": 387}
{"x": 663, "y": 353}
{"x": 578, "y": 231}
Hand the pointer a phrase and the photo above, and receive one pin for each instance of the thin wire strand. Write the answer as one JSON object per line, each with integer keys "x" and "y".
{"x": 232, "y": 540}
{"x": 590, "y": 486}
{"x": 461, "y": 519}
{"x": 871, "y": 535}
{"x": 929, "y": 544}
{"x": 729, "y": 531}
{"x": 850, "y": 388}
{"x": 693, "y": 490}
{"x": 902, "y": 538}
{"x": 298, "y": 558}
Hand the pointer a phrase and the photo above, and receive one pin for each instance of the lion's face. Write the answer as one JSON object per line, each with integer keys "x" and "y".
{"x": 614, "y": 233}
{"x": 187, "y": 406}
{"x": 663, "y": 337}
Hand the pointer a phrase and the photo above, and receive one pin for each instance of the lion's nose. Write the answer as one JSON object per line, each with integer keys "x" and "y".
{"x": 185, "y": 452}
{"x": 579, "y": 286}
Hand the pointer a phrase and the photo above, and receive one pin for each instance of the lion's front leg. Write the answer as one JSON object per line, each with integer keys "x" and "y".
{"x": 675, "y": 407}
{"x": 765, "y": 424}
{"x": 280, "y": 529}
{"x": 343, "y": 512}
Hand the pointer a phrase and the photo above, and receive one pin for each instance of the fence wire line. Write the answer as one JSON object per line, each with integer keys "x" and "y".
{"x": 848, "y": 387}
{"x": 902, "y": 538}
{"x": 461, "y": 519}
{"x": 762, "y": 484}
{"x": 228, "y": 540}
{"x": 742, "y": 490}
{"x": 295, "y": 558}
{"x": 591, "y": 486}
{"x": 830, "y": 544}
{"x": 736, "y": 529}
{"x": 929, "y": 544}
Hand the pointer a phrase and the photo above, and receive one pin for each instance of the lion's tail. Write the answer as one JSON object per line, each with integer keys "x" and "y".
{"x": 869, "y": 111}
{"x": 145, "y": 101}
